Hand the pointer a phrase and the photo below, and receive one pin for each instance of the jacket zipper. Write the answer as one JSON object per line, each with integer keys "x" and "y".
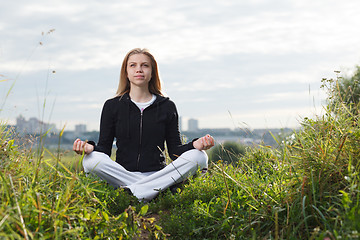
{"x": 141, "y": 126}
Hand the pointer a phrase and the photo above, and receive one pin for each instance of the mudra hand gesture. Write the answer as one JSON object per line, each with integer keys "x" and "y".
{"x": 82, "y": 146}
{"x": 204, "y": 143}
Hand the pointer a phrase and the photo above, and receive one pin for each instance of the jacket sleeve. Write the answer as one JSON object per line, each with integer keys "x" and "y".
{"x": 173, "y": 139}
{"x": 107, "y": 129}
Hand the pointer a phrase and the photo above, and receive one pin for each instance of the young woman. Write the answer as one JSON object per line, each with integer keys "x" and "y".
{"x": 141, "y": 120}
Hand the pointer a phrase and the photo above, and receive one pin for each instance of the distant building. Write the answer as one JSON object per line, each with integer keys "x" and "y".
{"x": 33, "y": 126}
{"x": 80, "y": 128}
{"x": 193, "y": 125}
{"x": 21, "y": 124}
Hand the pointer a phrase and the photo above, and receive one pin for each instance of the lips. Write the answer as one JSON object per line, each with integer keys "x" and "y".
{"x": 139, "y": 76}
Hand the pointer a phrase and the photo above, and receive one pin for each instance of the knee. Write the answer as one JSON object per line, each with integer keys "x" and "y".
{"x": 92, "y": 162}
{"x": 201, "y": 158}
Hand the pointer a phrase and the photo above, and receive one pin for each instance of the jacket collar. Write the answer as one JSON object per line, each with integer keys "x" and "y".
{"x": 159, "y": 98}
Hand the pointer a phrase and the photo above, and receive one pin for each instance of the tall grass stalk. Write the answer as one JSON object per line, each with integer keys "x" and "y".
{"x": 61, "y": 204}
{"x": 25, "y": 234}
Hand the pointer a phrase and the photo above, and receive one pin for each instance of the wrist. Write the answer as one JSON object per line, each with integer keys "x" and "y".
{"x": 92, "y": 147}
{"x": 197, "y": 145}
{"x": 193, "y": 142}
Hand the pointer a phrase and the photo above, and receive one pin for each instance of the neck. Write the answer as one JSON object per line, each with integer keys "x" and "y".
{"x": 140, "y": 95}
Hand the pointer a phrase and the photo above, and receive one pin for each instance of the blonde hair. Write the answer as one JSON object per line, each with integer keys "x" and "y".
{"x": 124, "y": 83}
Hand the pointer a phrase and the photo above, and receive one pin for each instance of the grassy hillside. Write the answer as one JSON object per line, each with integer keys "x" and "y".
{"x": 308, "y": 188}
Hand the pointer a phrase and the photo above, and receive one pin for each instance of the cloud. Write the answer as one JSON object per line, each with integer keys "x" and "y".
{"x": 202, "y": 85}
{"x": 237, "y": 55}
{"x": 284, "y": 96}
{"x": 284, "y": 77}
{"x": 86, "y": 32}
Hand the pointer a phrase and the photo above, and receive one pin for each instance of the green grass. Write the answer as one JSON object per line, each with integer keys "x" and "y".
{"x": 307, "y": 188}
{"x": 41, "y": 198}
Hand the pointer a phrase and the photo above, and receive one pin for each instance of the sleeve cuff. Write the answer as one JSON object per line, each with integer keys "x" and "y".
{"x": 192, "y": 143}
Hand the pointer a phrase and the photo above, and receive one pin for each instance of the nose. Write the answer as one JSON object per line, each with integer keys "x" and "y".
{"x": 138, "y": 69}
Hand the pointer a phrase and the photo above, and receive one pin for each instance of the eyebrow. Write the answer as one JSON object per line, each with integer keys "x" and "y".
{"x": 137, "y": 62}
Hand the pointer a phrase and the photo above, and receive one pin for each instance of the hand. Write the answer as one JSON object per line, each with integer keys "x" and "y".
{"x": 82, "y": 146}
{"x": 204, "y": 143}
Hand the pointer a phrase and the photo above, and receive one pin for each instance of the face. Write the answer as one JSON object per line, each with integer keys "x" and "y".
{"x": 139, "y": 70}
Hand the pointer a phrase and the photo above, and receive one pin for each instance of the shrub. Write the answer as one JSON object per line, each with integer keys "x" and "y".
{"x": 228, "y": 152}
{"x": 344, "y": 92}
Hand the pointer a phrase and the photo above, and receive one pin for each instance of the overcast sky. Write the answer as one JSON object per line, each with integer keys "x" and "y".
{"x": 227, "y": 63}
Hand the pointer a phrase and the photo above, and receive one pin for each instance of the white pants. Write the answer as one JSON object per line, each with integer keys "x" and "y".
{"x": 145, "y": 185}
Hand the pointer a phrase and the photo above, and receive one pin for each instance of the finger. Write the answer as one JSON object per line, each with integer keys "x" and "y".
{"x": 203, "y": 143}
{"x": 78, "y": 147}
{"x": 205, "y": 140}
{"x": 75, "y": 144}
{"x": 83, "y": 146}
{"x": 88, "y": 148}
{"x": 208, "y": 140}
{"x": 78, "y": 141}
{"x": 212, "y": 141}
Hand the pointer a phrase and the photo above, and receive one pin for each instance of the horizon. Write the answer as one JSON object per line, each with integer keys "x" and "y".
{"x": 14, "y": 124}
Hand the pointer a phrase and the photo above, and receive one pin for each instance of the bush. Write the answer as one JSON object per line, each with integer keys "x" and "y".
{"x": 344, "y": 93}
{"x": 228, "y": 152}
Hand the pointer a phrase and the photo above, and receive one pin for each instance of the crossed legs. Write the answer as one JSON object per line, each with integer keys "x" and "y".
{"x": 145, "y": 185}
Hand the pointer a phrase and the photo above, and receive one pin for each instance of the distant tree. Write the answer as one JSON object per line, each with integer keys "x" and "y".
{"x": 346, "y": 91}
{"x": 228, "y": 152}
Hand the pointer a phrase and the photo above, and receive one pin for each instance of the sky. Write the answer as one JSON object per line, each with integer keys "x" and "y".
{"x": 228, "y": 63}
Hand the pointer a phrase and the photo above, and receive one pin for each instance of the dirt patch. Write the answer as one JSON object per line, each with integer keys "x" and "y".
{"x": 148, "y": 226}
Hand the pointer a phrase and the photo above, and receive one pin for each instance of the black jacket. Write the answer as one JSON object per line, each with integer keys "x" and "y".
{"x": 140, "y": 136}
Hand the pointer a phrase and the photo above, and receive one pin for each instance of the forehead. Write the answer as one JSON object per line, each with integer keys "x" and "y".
{"x": 139, "y": 57}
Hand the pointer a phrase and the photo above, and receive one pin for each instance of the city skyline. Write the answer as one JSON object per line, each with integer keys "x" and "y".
{"x": 36, "y": 126}
{"x": 35, "y": 129}
{"x": 33, "y": 126}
